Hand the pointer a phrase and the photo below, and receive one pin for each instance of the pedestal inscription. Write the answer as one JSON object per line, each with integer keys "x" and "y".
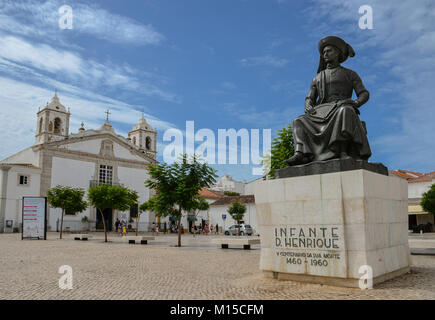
{"x": 313, "y": 249}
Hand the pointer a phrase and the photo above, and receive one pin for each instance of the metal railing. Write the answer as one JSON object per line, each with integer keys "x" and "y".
{"x": 93, "y": 183}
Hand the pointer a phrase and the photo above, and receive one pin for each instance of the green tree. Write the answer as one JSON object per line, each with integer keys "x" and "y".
{"x": 237, "y": 211}
{"x": 177, "y": 186}
{"x": 282, "y": 149}
{"x": 104, "y": 197}
{"x": 428, "y": 200}
{"x": 68, "y": 199}
{"x": 146, "y": 206}
{"x": 200, "y": 204}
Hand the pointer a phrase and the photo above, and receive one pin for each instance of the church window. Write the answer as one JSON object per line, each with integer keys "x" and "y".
{"x": 23, "y": 180}
{"x": 50, "y": 127}
{"x": 106, "y": 174}
{"x": 40, "y": 125}
{"x": 134, "y": 140}
{"x": 148, "y": 143}
{"x": 57, "y": 123}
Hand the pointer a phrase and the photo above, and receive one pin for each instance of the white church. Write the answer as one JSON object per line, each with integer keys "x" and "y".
{"x": 82, "y": 159}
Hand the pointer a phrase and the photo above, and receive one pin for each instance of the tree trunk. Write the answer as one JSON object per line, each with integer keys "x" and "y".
{"x": 61, "y": 223}
{"x": 104, "y": 225}
{"x": 179, "y": 228}
{"x": 137, "y": 224}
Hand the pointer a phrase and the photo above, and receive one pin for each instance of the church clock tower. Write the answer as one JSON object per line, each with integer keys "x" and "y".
{"x": 144, "y": 137}
{"x": 52, "y": 122}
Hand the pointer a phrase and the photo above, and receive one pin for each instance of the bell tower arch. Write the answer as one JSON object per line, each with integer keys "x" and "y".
{"x": 52, "y": 122}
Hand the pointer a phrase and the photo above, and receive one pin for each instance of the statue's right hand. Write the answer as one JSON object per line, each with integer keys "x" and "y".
{"x": 309, "y": 109}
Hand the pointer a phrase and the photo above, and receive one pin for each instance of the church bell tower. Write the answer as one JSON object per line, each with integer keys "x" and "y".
{"x": 144, "y": 137}
{"x": 52, "y": 122}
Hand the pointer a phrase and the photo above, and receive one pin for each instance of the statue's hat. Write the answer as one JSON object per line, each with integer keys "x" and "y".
{"x": 345, "y": 48}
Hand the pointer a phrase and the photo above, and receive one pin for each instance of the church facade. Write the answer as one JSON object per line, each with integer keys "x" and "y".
{"x": 82, "y": 159}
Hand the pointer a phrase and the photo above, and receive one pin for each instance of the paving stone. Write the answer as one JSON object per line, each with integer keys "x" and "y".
{"x": 198, "y": 270}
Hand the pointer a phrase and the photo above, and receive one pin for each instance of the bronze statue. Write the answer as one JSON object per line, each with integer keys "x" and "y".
{"x": 330, "y": 127}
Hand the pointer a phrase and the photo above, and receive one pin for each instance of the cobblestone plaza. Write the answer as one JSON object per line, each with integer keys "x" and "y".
{"x": 198, "y": 270}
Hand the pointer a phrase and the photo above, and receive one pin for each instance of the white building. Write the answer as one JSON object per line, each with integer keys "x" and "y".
{"x": 418, "y": 183}
{"x": 219, "y": 209}
{"x": 227, "y": 183}
{"x": 190, "y": 219}
{"x": 81, "y": 159}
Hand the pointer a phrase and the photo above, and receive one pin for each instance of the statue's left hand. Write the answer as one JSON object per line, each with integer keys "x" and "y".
{"x": 348, "y": 102}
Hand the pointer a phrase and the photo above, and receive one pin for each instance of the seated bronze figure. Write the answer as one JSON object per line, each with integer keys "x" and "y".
{"x": 330, "y": 127}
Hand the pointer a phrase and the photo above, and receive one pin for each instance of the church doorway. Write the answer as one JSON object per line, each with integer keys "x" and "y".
{"x": 108, "y": 217}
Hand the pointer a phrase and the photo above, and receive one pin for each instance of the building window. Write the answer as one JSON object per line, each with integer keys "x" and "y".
{"x": 23, "y": 180}
{"x": 148, "y": 143}
{"x": 57, "y": 123}
{"x": 40, "y": 125}
{"x": 106, "y": 174}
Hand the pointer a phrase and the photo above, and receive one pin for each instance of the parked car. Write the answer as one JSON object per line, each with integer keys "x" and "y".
{"x": 425, "y": 227}
{"x": 244, "y": 229}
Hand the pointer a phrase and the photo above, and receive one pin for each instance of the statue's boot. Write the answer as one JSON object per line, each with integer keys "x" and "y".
{"x": 297, "y": 159}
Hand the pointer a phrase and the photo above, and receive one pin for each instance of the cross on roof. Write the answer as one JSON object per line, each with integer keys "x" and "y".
{"x": 107, "y": 115}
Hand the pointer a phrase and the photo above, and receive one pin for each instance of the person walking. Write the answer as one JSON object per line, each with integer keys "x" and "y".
{"x": 206, "y": 229}
{"x": 217, "y": 228}
{"x": 116, "y": 225}
{"x": 211, "y": 229}
{"x": 153, "y": 228}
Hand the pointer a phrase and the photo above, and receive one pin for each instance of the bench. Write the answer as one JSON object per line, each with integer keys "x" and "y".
{"x": 83, "y": 237}
{"x": 245, "y": 242}
{"x": 137, "y": 239}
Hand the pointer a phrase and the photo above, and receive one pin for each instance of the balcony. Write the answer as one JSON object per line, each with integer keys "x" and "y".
{"x": 93, "y": 183}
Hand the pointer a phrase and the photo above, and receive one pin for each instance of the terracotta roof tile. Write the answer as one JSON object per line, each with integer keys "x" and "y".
{"x": 27, "y": 165}
{"x": 229, "y": 200}
{"x": 406, "y": 174}
{"x": 208, "y": 194}
{"x": 424, "y": 178}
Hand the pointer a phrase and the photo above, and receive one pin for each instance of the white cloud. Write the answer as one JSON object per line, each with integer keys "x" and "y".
{"x": 19, "y": 103}
{"x": 270, "y": 118}
{"x": 71, "y": 66}
{"x": 42, "y": 56}
{"x": 267, "y": 60}
{"x": 42, "y": 20}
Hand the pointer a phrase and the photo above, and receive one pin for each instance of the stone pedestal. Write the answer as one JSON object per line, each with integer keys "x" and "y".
{"x": 324, "y": 228}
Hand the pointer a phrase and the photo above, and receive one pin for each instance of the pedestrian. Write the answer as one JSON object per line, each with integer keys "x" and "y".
{"x": 153, "y": 228}
{"x": 206, "y": 229}
{"x": 120, "y": 228}
{"x": 157, "y": 230}
{"x": 217, "y": 228}
{"x": 164, "y": 228}
{"x": 124, "y": 230}
{"x": 117, "y": 224}
{"x": 211, "y": 229}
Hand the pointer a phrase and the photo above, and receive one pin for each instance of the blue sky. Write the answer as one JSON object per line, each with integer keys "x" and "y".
{"x": 224, "y": 64}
